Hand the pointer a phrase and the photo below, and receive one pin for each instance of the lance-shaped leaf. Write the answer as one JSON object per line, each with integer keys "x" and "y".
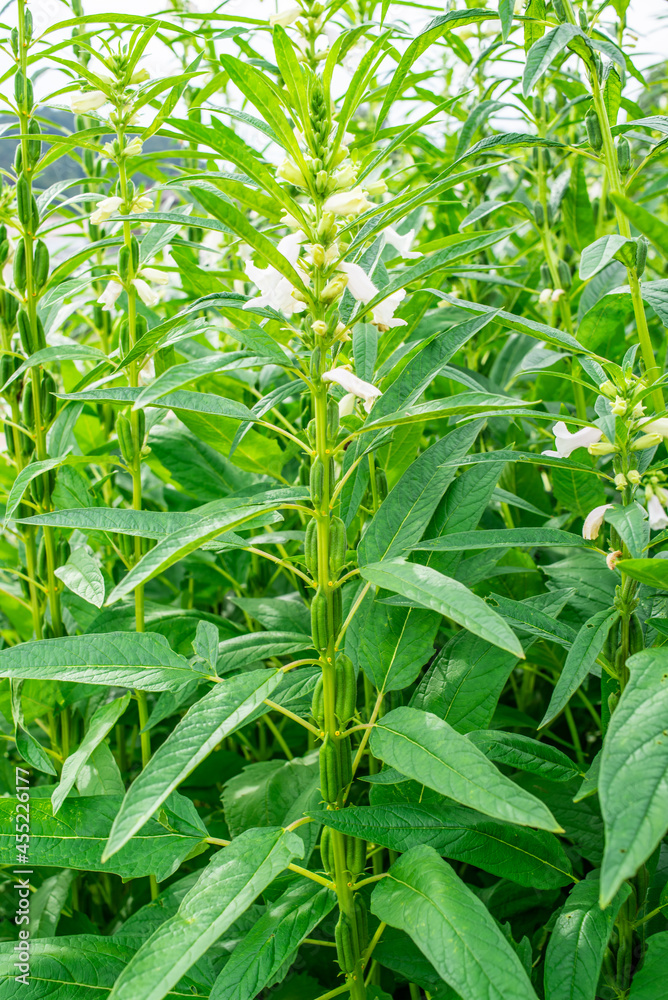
{"x": 582, "y": 656}
{"x": 120, "y": 520}
{"x": 102, "y": 721}
{"x": 78, "y": 352}
{"x": 633, "y": 783}
{"x": 447, "y": 596}
{"x": 578, "y": 941}
{"x": 427, "y": 749}
{"x": 232, "y": 880}
{"x": 649, "y": 982}
{"x": 273, "y": 941}
{"x": 76, "y": 836}
{"x": 521, "y": 752}
{"x": 220, "y": 712}
{"x": 645, "y": 222}
{"x": 124, "y": 659}
{"x": 542, "y": 52}
{"x": 598, "y": 254}
{"x": 533, "y": 858}
{"x": 453, "y": 929}
{"x": 83, "y": 576}
{"x": 504, "y": 538}
{"x": 25, "y": 477}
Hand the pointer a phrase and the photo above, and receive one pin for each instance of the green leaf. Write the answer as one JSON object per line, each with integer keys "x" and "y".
{"x": 447, "y": 596}
{"x": 651, "y": 572}
{"x": 47, "y": 902}
{"x": 232, "y": 880}
{"x": 578, "y": 941}
{"x": 423, "y": 896}
{"x": 633, "y": 783}
{"x": 649, "y": 982}
{"x": 543, "y": 51}
{"x": 429, "y": 750}
{"x": 506, "y": 17}
{"x": 582, "y": 656}
{"x": 405, "y": 513}
{"x": 503, "y": 538}
{"x": 644, "y": 221}
{"x": 125, "y": 659}
{"x": 598, "y": 254}
{"x": 75, "y": 838}
{"x": 24, "y": 478}
{"x": 525, "y": 754}
{"x": 83, "y": 576}
{"x": 273, "y": 941}
{"x": 77, "y": 352}
{"x": 220, "y": 712}
{"x": 533, "y": 858}
{"x": 102, "y": 721}
{"x": 264, "y": 792}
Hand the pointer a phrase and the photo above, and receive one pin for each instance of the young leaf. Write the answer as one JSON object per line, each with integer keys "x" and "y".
{"x": 427, "y": 749}
{"x": 649, "y": 981}
{"x": 422, "y": 895}
{"x": 82, "y": 574}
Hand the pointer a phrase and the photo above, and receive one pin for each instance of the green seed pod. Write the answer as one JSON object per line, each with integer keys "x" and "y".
{"x": 39, "y": 337}
{"x": 141, "y": 326}
{"x": 47, "y": 400}
{"x": 362, "y": 922}
{"x": 27, "y": 23}
{"x": 318, "y": 704}
{"x": 539, "y": 214}
{"x": 641, "y": 256}
{"x": 41, "y": 559}
{"x": 34, "y": 216}
{"x": 327, "y": 851}
{"x": 623, "y": 155}
{"x": 19, "y": 87}
{"x": 319, "y": 630}
{"x": 338, "y": 544}
{"x": 564, "y": 272}
{"x": 582, "y": 18}
{"x": 594, "y": 133}
{"x": 346, "y": 689}
{"x": 9, "y": 307}
{"x": 124, "y": 259}
{"x": 345, "y": 762}
{"x": 317, "y": 483}
{"x": 311, "y": 547}
{"x": 63, "y": 551}
{"x": 27, "y": 406}
{"x": 381, "y": 484}
{"x": 545, "y": 276}
{"x": 4, "y": 252}
{"x": 330, "y": 780}
{"x": 41, "y": 265}
{"x": 124, "y": 337}
{"x": 18, "y": 160}
{"x": 8, "y": 365}
{"x": 332, "y": 419}
{"x": 345, "y": 948}
{"x": 14, "y": 37}
{"x": 316, "y": 361}
{"x": 559, "y": 10}
{"x": 337, "y": 611}
{"x": 9, "y": 439}
{"x": 126, "y": 545}
{"x": 141, "y": 428}
{"x": 538, "y": 107}
{"x": 124, "y": 435}
{"x": 34, "y": 145}
{"x": 636, "y": 637}
{"x": 568, "y": 252}
{"x": 25, "y": 586}
{"x": 20, "y": 267}
{"x": 355, "y": 855}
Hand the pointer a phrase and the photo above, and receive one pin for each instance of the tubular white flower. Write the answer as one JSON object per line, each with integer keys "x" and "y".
{"x": 285, "y": 17}
{"x": 659, "y": 426}
{"x": 346, "y": 176}
{"x": 565, "y": 442}
{"x": 383, "y": 313}
{"x": 545, "y": 296}
{"x": 557, "y": 294}
{"x": 110, "y": 294}
{"x": 105, "y": 209}
{"x": 593, "y": 521}
{"x": 276, "y": 290}
{"x": 290, "y": 172}
{"x": 360, "y": 285}
{"x": 91, "y": 100}
{"x": 152, "y": 274}
{"x": 146, "y": 293}
{"x": 402, "y": 243}
{"x": 348, "y": 202}
{"x": 658, "y": 519}
{"x": 347, "y": 404}
{"x": 353, "y": 384}
{"x": 142, "y": 203}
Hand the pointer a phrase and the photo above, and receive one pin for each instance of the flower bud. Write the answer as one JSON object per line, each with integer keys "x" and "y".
{"x": 608, "y": 389}
{"x": 376, "y": 188}
{"x": 318, "y": 254}
{"x": 620, "y": 481}
{"x": 321, "y": 181}
{"x": 634, "y": 477}
{"x": 334, "y": 289}
{"x": 619, "y": 407}
{"x": 290, "y": 172}
{"x": 140, "y": 76}
{"x": 646, "y": 441}
{"x": 319, "y": 327}
{"x": 602, "y": 448}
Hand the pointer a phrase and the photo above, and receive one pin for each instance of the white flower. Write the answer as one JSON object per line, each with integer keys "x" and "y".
{"x": 593, "y": 521}
{"x": 90, "y": 101}
{"x": 360, "y": 285}
{"x": 105, "y": 209}
{"x": 612, "y": 558}
{"x": 346, "y": 176}
{"x": 134, "y": 147}
{"x": 140, "y": 76}
{"x": 285, "y": 17}
{"x": 142, "y": 203}
{"x": 352, "y": 384}
{"x": 157, "y": 277}
{"x": 545, "y": 296}
{"x": 146, "y": 293}
{"x": 348, "y": 202}
{"x": 290, "y": 172}
{"x": 383, "y": 313}
{"x": 110, "y": 294}
{"x": 565, "y": 442}
{"x": 658, "y": 519}
{"x": 556, "y": 294}
{"x": 401, "y": 243}
{"x": 276, "y": 291}
{"x": 659, "y": 426}
{"x": 347, "y": 404}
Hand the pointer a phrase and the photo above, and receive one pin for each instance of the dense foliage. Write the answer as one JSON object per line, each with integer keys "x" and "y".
{"x": 335, "y": 506}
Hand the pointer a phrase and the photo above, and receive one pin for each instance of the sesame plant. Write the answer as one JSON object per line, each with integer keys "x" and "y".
{"x": 335, "y": 502}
